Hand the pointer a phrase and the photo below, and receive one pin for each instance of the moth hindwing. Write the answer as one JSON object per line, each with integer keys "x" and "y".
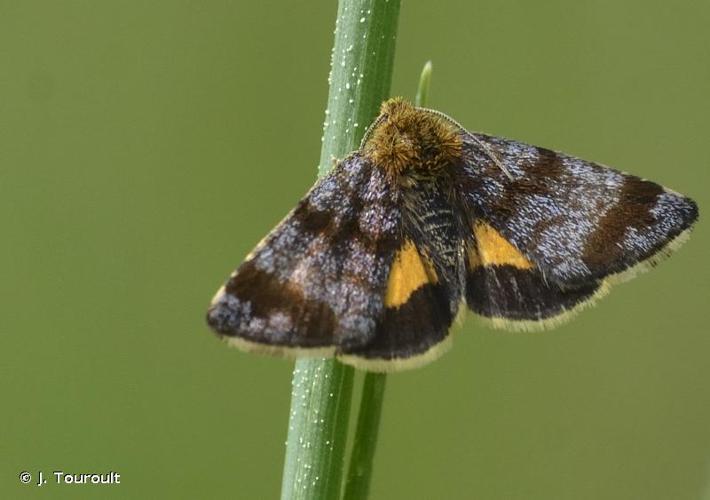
{"x": 373, "y": 262}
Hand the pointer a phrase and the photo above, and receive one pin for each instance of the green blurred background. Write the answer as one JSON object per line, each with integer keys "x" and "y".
{"x": 145, "y": 147}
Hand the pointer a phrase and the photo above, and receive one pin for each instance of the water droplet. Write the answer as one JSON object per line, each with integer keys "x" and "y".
{"x": 362, "y": 19}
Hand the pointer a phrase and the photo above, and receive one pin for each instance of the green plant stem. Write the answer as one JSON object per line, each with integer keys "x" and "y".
{"x": 318, "y": 422}
{"x": 361, "y": 71}
{"x": 357, "y": 485}
{"x": 359, "y": 477}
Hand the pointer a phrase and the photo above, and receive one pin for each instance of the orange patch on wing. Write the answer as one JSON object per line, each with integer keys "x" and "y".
{"x": 494, "y": 250}
{"x": 409, "y": 272}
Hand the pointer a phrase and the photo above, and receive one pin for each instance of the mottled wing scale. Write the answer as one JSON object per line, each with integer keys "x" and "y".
{"x": 316, "y": 282}
{"x": 508, "y": 289}
{"x": 340, "y": 276}
{"x": 423, "y": 294}
{"x": 414, "y": 327}
{"x": 577, "y": 225}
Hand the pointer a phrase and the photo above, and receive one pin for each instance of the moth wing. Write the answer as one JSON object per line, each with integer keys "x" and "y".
{"x": 423, "y": 291}
{"x": 413, "y": 329}
{"x": 316, "y": 282}
{"x": 577, "y": 221}
{"x": 551, "y": 232}
{"x": 510, "y": 291}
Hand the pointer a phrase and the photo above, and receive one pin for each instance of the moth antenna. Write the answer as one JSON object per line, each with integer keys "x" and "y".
{"x": 485, "y": 148}
{"x": 369, "y": 131}
{"x": 492, "y": 156}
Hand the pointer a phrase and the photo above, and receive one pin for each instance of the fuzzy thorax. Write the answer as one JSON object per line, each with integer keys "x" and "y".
{"x": 407, "y": 140}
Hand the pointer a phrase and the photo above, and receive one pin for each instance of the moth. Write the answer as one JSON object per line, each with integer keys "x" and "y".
{"x": 427, "y": 219}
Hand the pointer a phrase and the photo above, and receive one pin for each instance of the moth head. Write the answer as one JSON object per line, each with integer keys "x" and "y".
{"x": 408, "y": 140}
